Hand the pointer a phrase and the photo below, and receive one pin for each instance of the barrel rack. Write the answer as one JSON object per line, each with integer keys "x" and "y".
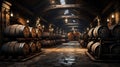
{"x": 19, "y": 57}
{"x": 104, "y": 43}
{"x": 104, "y": 53}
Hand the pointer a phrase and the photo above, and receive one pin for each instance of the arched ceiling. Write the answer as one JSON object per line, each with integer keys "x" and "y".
{"x": 76, "y": 11}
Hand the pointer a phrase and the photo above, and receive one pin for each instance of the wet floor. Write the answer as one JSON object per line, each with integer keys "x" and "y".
{"x": 66, "y": 55}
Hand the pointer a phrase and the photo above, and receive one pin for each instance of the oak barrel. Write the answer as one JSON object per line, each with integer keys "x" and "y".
{"x": 96, "y": 48}
{"x": 101, "y": 32}
{"x": 32, "y": 32}
{"x": 17, "y": 30}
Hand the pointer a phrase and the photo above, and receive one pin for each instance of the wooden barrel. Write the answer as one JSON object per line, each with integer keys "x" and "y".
{"x": 45, "y": 35}
{"x": 115, "y": 48}
{"x": 53, "y": 42}
{"x": 8, "y": 48}
{"x": 22, "y": 48}
{"x": 38, "y": 46}
{"x": 76, "y": 35}
{"x": 17, "y": 31}
{"x": 116, "y": 31}
{"x": 32, "y": 47}
{"x": 96, "y": 48}
{"x": 32, "y": 32}
{"x": 38, "y": 32}
{"x": 89, "y": 45}
{"x": 70, "y": 36}
{"x": 101, "y": 32}
{"x": 90, "y": 33}
{"x": 46, "y": 43}
{"x": 15, "y": 48}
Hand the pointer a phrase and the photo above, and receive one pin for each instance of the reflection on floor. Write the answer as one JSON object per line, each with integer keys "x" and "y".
{"x": 66, "y": 55}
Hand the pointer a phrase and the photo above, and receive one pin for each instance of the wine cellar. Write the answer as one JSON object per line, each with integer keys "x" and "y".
{"x": 59, "y": 33}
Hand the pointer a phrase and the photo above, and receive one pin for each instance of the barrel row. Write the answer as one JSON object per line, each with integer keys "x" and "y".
{"x": 95, "y": 48}
{"x": 48, "y": 35}
{"x": 48, "y": 43}
{"x": 18, "y": 30}
{"x": 20, "y": 48}
{"x": 73, "y": 36}
{"x": 104, "y": 32}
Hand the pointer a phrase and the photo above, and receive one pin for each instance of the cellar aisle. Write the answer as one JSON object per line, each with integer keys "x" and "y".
{"x": 66, "y": 55}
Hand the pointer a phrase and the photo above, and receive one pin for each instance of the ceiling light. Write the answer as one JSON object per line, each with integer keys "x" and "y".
{"x": 113, "y": 16}
{"x": 11, "y": 14}
{"x": 28, "y": 21}
{"x": 66, "y": 20}
{"x": 108, "y": 20}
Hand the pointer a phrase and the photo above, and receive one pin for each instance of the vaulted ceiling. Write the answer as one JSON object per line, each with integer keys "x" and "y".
{"x": 67, "y": 14}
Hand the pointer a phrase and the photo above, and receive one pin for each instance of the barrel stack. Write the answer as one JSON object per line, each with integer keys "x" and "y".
{"x": 104, "y": 42}
{"x": 21, "y": 40}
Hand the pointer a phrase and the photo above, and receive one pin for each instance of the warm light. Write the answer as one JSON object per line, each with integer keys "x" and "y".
{"x": 108, "y": 20}
{"x": 113, "y": 16}
{"x": 11, "y": 14}
{"x": 52, "y": 1}
{"x": 66, "y": 20}
{"x": 28, "y": 21}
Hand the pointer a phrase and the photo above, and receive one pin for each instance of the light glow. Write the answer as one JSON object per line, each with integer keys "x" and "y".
{"x": 28, "y": 21}
{"x": 108, "y": 20}
{"x": 66, "y": 20}
{"x": 11, "y": 14}
{"x": 113, "y": 16}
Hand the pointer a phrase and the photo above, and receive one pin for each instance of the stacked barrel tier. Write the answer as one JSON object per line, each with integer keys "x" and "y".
{"x": 46, "y": 43}
{"x": 15, "y": 48}
{"x": 101, "y": 32}
{"x": 115, "y": 31}
{"x": 17, "y": 30}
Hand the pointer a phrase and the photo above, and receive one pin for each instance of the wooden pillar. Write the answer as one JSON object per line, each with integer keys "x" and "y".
{"x": 4, "y": 17}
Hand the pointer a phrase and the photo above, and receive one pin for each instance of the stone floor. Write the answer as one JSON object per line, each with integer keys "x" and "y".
{"x": 66, "y": 55}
